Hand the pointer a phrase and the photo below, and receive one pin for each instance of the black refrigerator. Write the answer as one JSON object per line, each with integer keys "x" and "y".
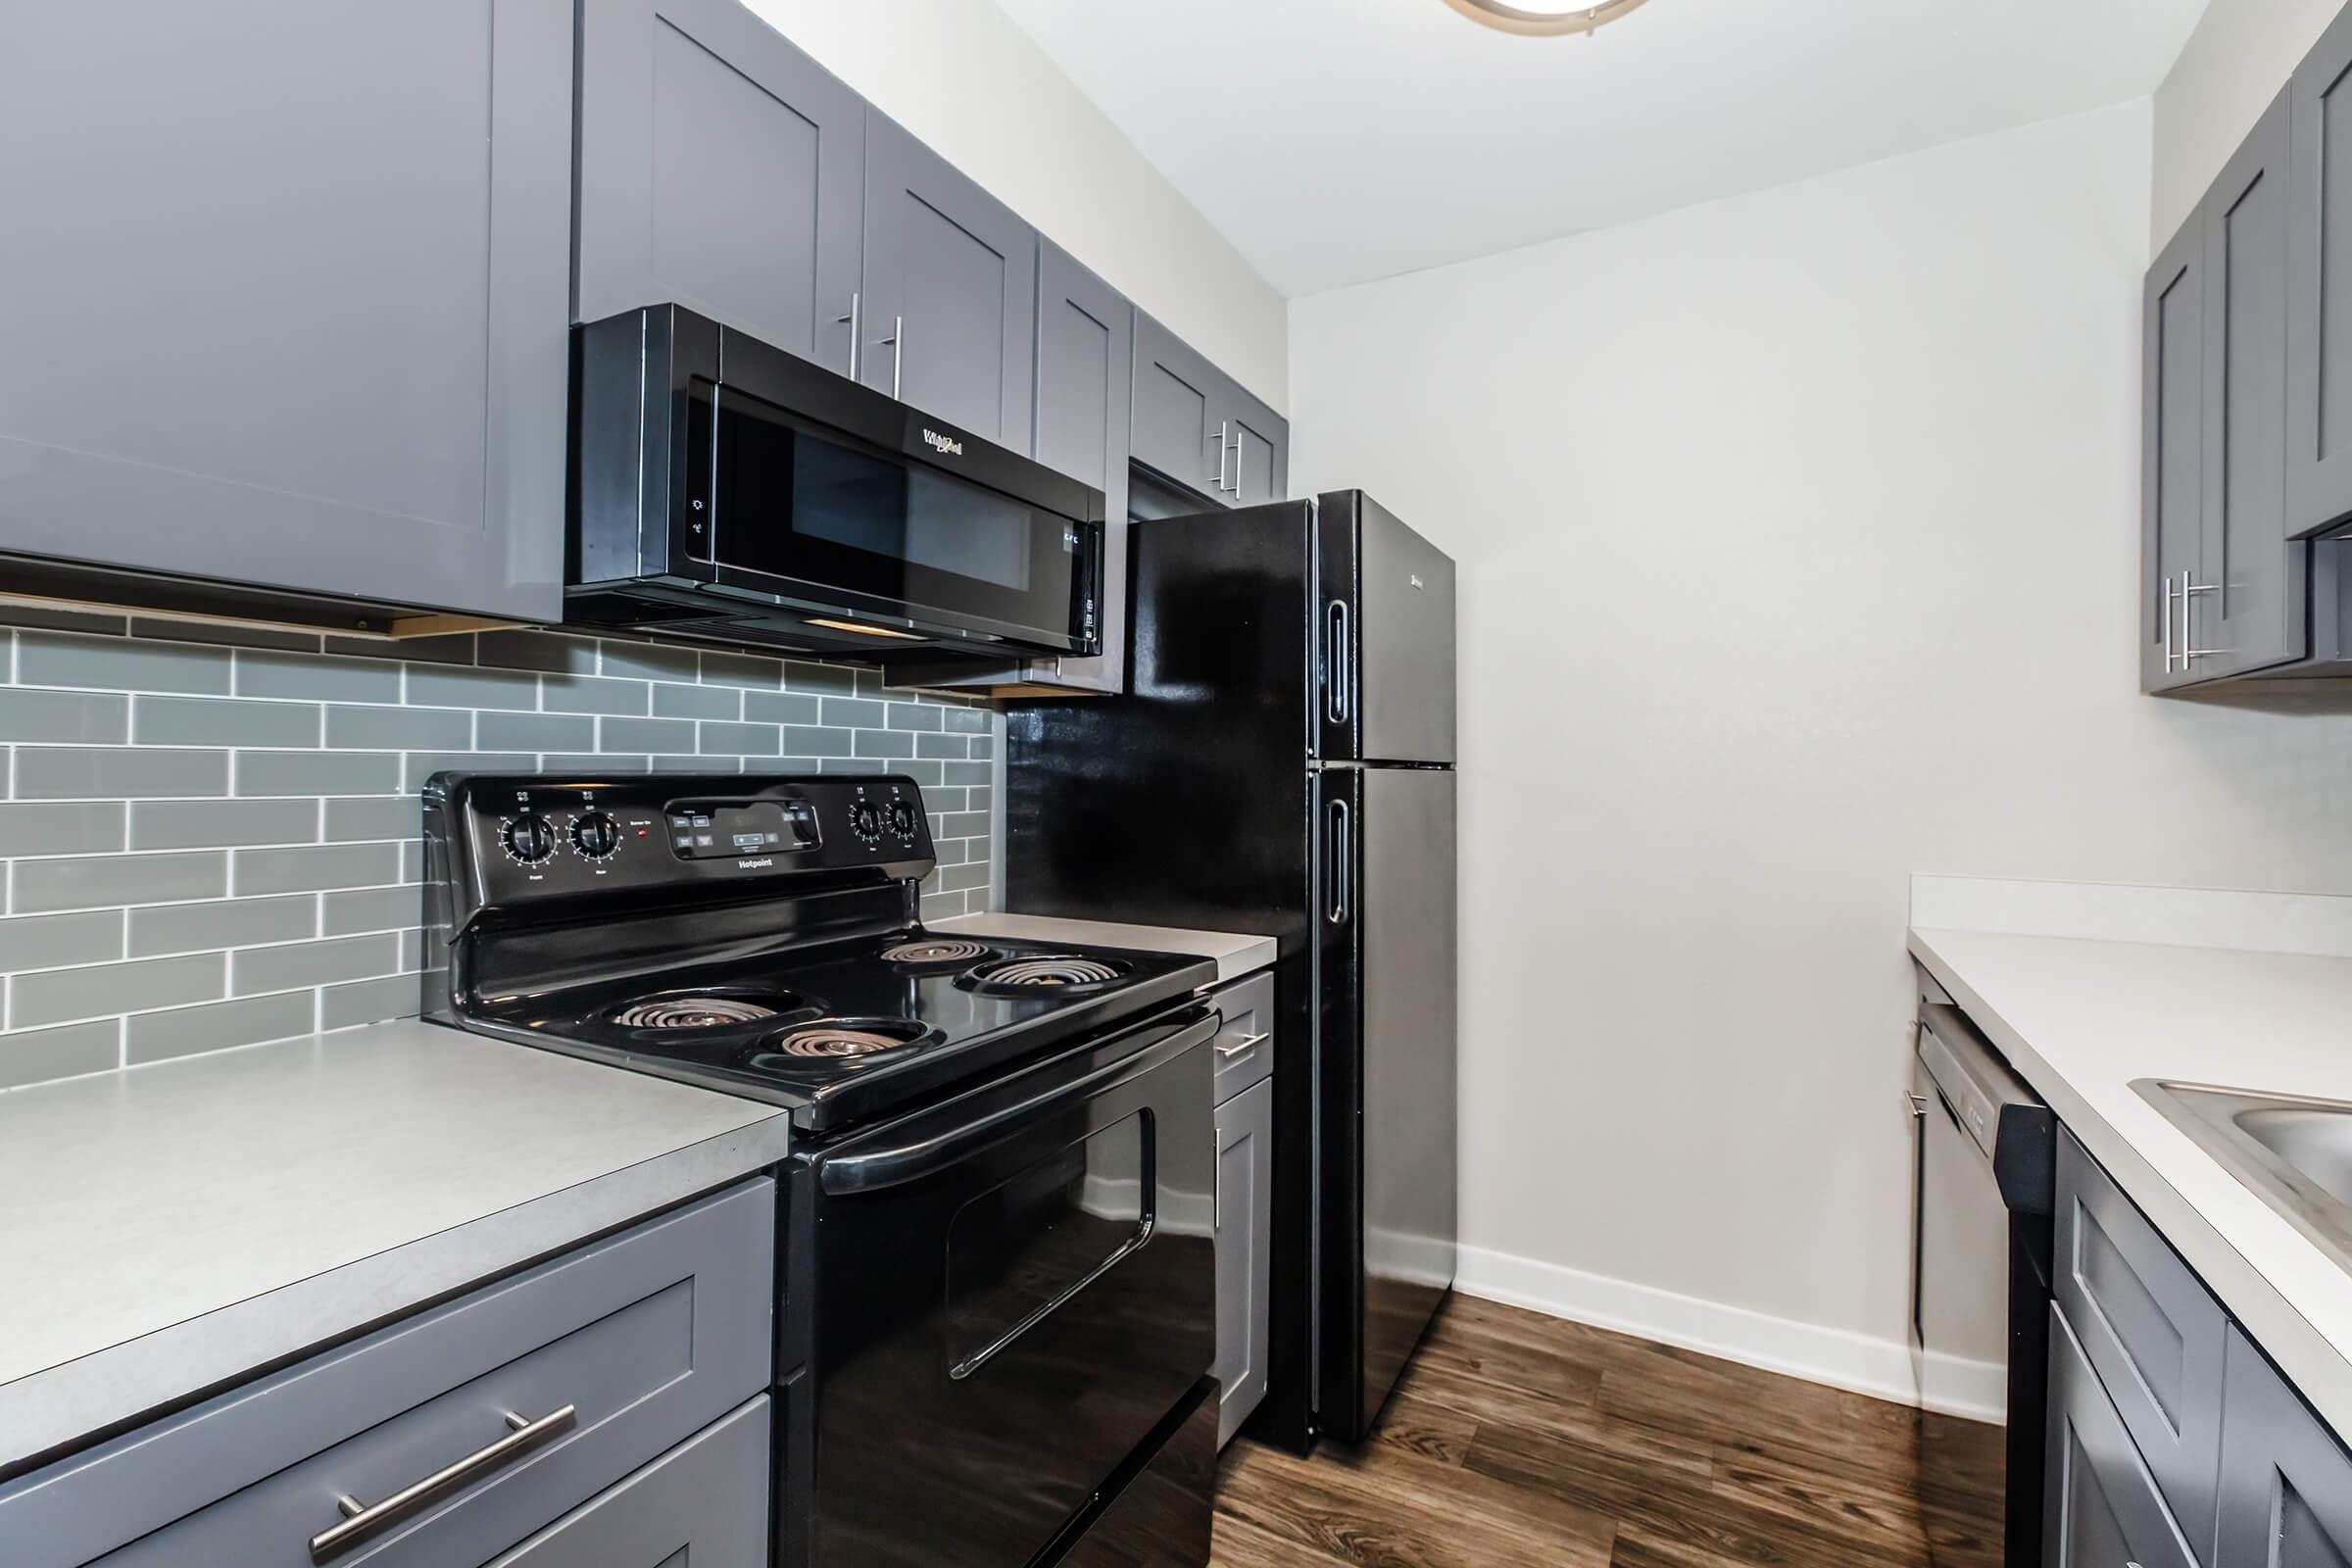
{"x": 1283, "y": 763}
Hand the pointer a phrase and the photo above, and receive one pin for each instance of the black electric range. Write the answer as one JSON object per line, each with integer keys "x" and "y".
{"x": 994, "y": 1264}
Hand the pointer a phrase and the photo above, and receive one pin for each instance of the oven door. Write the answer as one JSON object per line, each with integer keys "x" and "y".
{"x": 1012, "y": 1290}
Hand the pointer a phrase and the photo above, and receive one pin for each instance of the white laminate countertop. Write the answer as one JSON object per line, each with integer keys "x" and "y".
{"x": 1236, "y": 953}
{"x": 2079, "y": 1020}
{"x": 168, "y": 1227}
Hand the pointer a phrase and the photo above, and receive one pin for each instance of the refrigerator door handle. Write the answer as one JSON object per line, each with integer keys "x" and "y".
{"x": 1343, "y": 856}
{"x": 1336, "y": 677}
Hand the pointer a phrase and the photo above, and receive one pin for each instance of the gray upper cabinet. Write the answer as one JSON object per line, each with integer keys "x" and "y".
{"x": 1085, "y": 365}
{"x": 949, "y": 319}
{"x": 1175, "y": 435}
{"x": 2244, "y": 608}
{"x": 1197, "y": 426}
{"x": 2319, "y": 364}
{"x": 2172, "y": 449}
{"x": 287, "y": 297}
{"x": 2286, "y": 1486}
{"x": 720, "y": 169}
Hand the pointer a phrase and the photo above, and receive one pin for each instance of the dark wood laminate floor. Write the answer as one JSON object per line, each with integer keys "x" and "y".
{"x": 1518, "y": 1441}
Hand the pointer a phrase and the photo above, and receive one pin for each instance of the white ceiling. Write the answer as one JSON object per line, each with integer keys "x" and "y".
{"x": 1336, "y": 141}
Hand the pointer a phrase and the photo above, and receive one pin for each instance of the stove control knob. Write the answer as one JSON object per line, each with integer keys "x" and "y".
{"x": 866, "y": 820}
{"x": 596, "y": 836}
{"x": 527, "y": 838}
{"x": 902, "y": 821}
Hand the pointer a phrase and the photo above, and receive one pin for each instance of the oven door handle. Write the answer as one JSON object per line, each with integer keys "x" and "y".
{"x": 922, "y": 1157}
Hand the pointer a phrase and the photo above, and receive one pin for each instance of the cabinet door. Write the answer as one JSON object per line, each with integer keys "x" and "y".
{"x": 2101, "y": 1507}
{"x": 703, "y": 1502}
{"x": 1085, "y": 374}
{"x": 2319, "y": 285}
{"x": 951, "y": 290}
{"x": 1175, "y": 433}
{"x": 2147, "y": 1323}
{"x": 2172, "y": 450}
{"x": 287, "y": 296}
{"x": 2246, "y": 607}
{"x": 2286, "y": 1486}
{"x": 721, "y": 169}
{"x": 1244, "y": 1221}
{"x": 1260, "y": 437}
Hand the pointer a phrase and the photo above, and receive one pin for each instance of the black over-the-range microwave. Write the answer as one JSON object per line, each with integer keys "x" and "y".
{"x": 724, "y": 488}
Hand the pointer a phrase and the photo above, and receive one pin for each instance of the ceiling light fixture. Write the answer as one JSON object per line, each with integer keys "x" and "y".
{"x": 1545, "y": 22}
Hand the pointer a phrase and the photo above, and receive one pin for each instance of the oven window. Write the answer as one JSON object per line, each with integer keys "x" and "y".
{"x": 792, "y": 502}
{"x": 1022, "y": 1250}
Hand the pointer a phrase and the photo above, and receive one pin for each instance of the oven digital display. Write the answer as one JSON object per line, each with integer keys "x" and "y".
{"x": 719, "y": 830}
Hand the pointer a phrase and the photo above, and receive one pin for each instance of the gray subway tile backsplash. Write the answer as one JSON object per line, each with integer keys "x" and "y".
{"x": 316, "y": 868}
{"x": 36, "y": 1055}
{"x": 119, "y": 664}
{"x": 211, "y": 839}
{"x": 103, "y": 990}
{"x": 61, "y": 827}
{"x": 221, "y": 721}
{"x": 68, "y": 718}
{"x": 53, "y": 941}
{"x": 103, "y": 773}
{"x": 111, "y": 881}
{"x": 222, "y": 923}
{"x": 189, "y": 1031}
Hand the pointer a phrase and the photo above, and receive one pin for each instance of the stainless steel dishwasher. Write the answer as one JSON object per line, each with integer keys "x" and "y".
{"x": 1983, "y": 1180}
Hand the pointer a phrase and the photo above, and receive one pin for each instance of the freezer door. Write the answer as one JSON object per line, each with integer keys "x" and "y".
{"x": 1384, "y": 637}
{"x": 1386, "y": 971}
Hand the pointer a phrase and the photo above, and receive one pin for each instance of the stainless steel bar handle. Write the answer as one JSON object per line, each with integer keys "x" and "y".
{"x": 2188, "y": 650}
{"x": 1343, "y": 857}
{"x": 852, "y": 319}
{"x": 2167, "y": 623}
{"x": 897, "y": 351}
{"x": 1246, "y": 1043}
{"x": 363, "y": 1520}
{"x": 1335, "y": 662}
{"x": 1219, "y": 439}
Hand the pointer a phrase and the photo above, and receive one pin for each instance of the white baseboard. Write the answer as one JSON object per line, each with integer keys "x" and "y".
{"x": 1836, "y": 1357}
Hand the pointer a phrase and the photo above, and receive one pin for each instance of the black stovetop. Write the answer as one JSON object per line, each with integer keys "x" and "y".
{"x": 847, "y": 1029}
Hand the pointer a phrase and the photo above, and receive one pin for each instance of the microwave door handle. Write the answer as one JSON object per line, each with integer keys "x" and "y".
{"x": 926, "y": 1156}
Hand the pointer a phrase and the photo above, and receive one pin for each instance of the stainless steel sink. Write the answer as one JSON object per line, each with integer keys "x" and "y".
{"x": 2294, "y": 1153}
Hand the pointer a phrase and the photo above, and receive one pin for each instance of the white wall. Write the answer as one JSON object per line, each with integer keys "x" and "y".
{"x": 1797, "y": 538}
{"x": 2233, "y": 65}
{"x": 966, "y": 79}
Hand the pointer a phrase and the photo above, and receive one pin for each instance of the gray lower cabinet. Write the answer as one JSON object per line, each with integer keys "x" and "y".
{"x": 949, "y": 318}
{"x": 2287, "y": 1484}
{"x": 2101, "y": 1509}
{"x": 704, "y": 1504}
{"x": 1244, "y": 1221}
{"x": 610, "y": 1355}
{"x": 2319, "y": 285}
{"x": 288, "y": 295}
{"x": 1245, "y": 1197}
{"x": 720, "y": 169}
{"x": 2147, "y": 1324}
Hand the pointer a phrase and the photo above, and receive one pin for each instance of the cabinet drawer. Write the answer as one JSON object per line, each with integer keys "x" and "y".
{"x": 2102, "y": 1508}
{"x": 2148, "y": 1326}
{"x": 705, "y": 1501}
{"x": 1245, "y": 1043}
{"x": 647, "y": 1336}
{"x": 2287, "y": 1484}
